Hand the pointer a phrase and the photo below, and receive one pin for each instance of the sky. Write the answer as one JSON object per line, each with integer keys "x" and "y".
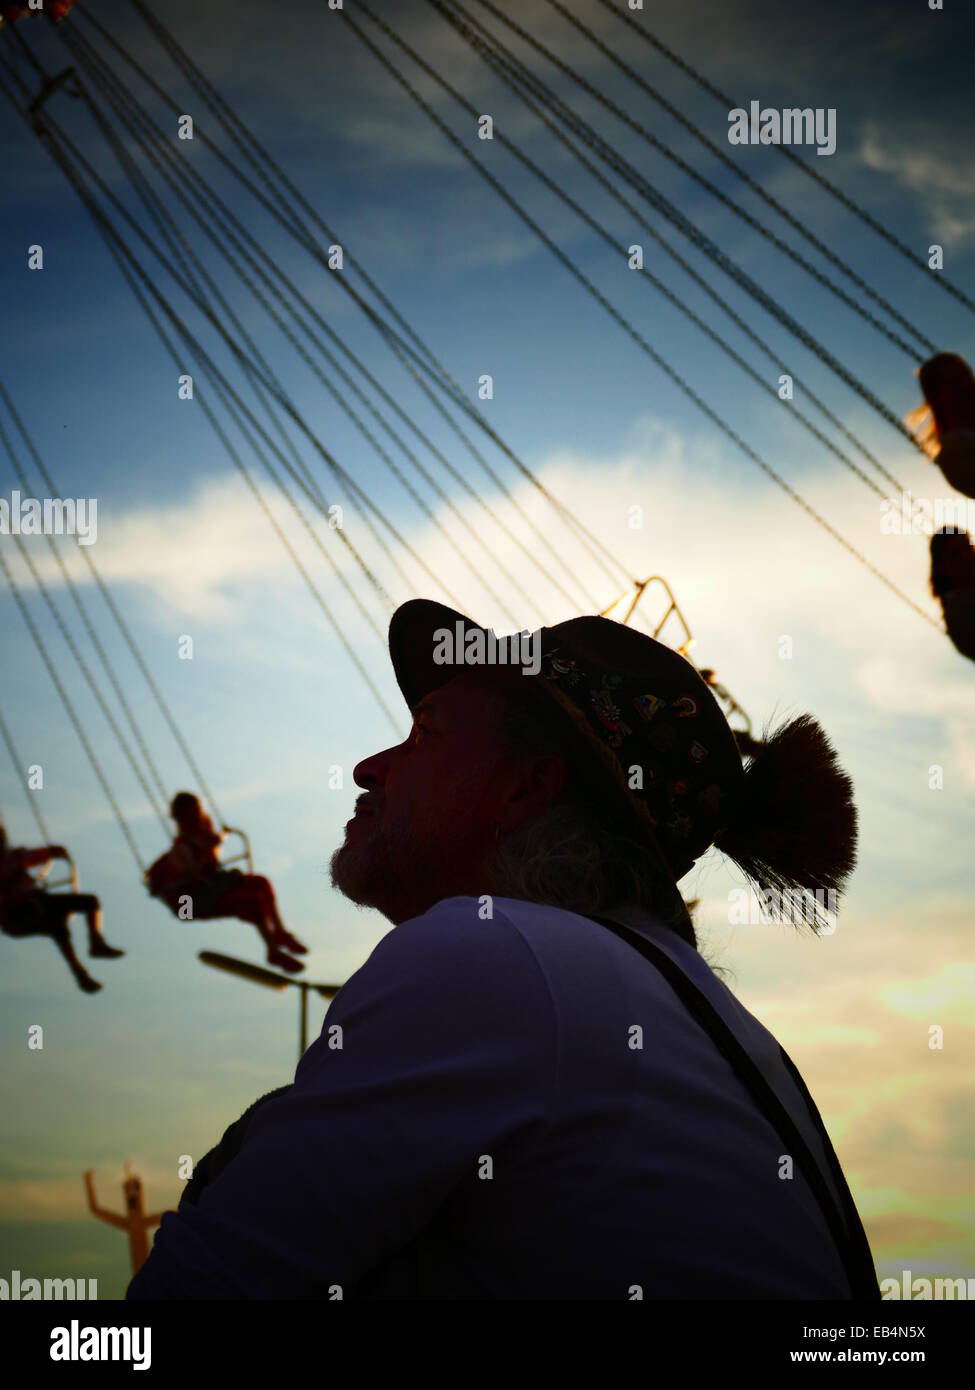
{"x": 272, "y": 703}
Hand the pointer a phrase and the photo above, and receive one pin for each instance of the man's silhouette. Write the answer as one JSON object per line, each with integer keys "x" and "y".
{"x": 508, "y": 1100}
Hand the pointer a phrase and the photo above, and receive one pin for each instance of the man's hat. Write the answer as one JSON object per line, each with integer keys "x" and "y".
{"x": 639, "y": 707}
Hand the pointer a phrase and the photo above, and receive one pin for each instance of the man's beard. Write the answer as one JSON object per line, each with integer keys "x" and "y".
{"x": 385, "y": 867}
{"x": 403, "y": 868}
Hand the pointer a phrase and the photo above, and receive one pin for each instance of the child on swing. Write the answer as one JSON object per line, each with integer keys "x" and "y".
{"x": 27, "y": 910}
{"x": 191, "y": 869}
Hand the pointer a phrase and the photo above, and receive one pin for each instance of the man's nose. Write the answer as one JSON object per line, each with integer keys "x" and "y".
{"x": 372, "y": 772}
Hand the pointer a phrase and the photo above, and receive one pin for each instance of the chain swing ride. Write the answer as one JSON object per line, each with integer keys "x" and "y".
{"x": 173, "y": 231}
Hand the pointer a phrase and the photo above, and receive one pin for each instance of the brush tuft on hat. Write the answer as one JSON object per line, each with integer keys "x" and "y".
{"x": 793, "y": 827}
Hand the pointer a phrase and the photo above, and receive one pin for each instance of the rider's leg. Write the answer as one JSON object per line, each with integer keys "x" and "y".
{"x": 92, "y": 909}
{"x": 57, "y": 930}
{"x": 248, "y": 901}
{"x": 274, "y": 917}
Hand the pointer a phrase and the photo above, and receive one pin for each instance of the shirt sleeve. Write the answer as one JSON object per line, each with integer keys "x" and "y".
{"x": 212, "y": 1164}
{"x": 440, "y": 1050}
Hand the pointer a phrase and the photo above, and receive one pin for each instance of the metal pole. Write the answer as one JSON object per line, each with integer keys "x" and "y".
{"x": 271, "y": 980}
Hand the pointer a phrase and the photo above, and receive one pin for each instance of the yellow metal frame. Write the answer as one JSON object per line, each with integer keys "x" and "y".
{"x": 732, "y": 708}
{"x": 243, "y": 854}
{"x": 68, "y": 878}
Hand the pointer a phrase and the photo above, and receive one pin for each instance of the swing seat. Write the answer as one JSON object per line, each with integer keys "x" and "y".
{"x": 956, "y": 459}
{"x": 162, "y": 881}
{"x": 242, "y": 854}
{"x": 207, "y": 894}
{"x": 959, "y": 611}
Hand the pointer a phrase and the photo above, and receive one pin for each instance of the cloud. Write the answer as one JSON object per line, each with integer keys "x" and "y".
{"x": 50, "y": 1199}
{"x": 948, "y": 993}
{"x": 899, "y": 1231}
{"x": 64, "y": 1198}
{"x": 946, "y": 184}
{"x": 194, "y": 555}
{"x": 854, "y": 1011}
{"x": 391, "y": 143}
{"x": 740, "y": 558}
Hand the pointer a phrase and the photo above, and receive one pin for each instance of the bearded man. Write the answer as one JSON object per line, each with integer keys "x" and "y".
{"x": 536, "y": 1087}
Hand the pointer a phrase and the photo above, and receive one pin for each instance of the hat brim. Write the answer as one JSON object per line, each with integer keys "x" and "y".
{"x": 411, "y": 646}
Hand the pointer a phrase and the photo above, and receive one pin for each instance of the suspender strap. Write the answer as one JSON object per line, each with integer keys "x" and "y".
{"x": 861, "y": 1258}
{"x": 848, "y": 1233}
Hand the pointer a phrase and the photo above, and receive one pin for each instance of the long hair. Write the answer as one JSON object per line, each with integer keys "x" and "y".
{"x": 583, "y": 854}
{"x": 571, "y": 858}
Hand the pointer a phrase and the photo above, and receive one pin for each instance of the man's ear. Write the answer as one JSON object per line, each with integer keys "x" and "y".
{"x": 539, "y": 783}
